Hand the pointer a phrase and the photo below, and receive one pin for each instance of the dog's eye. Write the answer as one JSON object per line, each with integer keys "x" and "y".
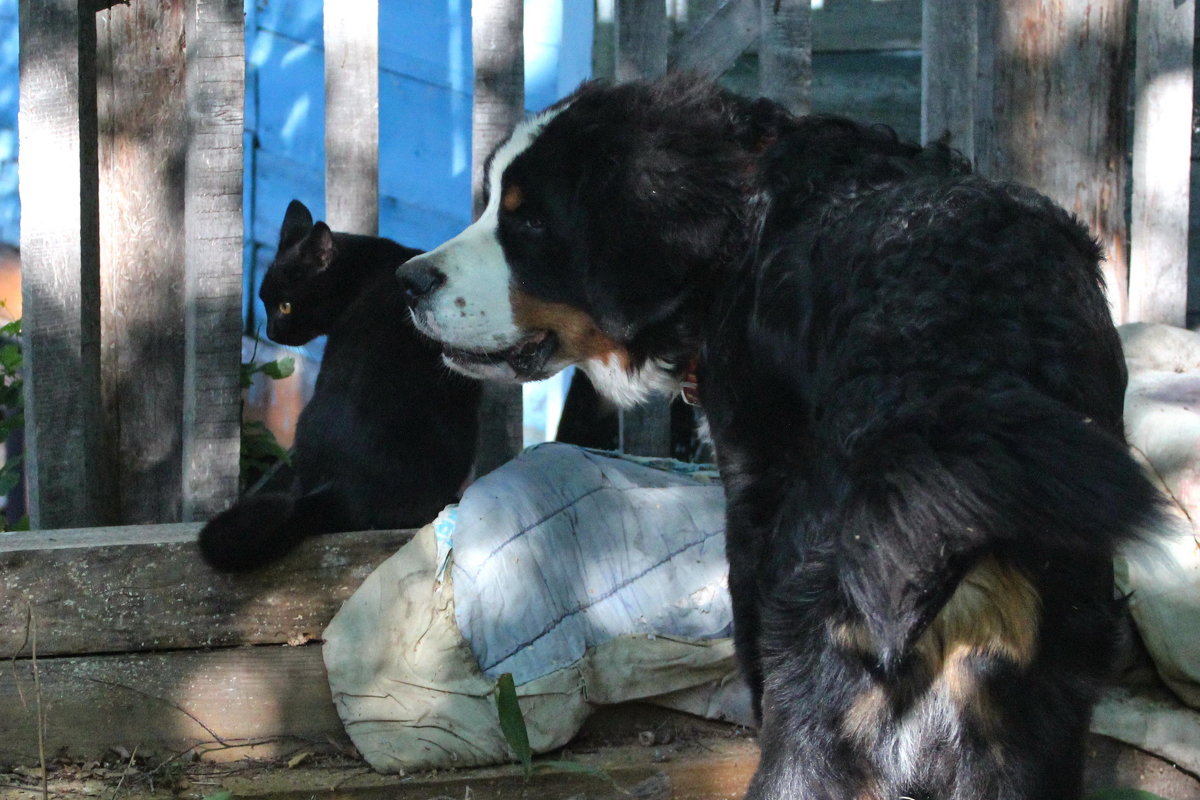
{"x": 533, "y": 224}
{"x": 285, "y": 307}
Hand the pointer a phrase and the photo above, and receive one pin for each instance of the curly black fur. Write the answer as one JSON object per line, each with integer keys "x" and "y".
{"x": 915, "y": 392}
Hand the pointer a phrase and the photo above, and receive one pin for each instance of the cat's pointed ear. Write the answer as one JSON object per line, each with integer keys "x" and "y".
{"x": 319, "y": 246}
{"x": 297, "y": 222}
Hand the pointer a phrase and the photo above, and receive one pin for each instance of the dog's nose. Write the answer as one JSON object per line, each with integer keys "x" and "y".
{"x": 419, "y": 278}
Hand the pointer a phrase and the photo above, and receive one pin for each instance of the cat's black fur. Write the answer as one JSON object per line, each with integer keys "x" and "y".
{"x": 389, "y": 435}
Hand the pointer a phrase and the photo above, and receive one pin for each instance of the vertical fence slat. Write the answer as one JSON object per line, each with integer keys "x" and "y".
{"x": 143, "y": 152}
{"x": 1162, "y": 153}
{"x": 213, "y": 256}
{"x": 1053, "y": 81}
{"x": 60, "y": 262}
{"x": 713, "y": 46}
{"x": 642, "y": 55}
{"x": 352, "y": 116}
{"x": 498, "y": 48}
{"x": 785, "y": 53}
{"x": 641, "y": 39}
{"x": 949, "y": 59}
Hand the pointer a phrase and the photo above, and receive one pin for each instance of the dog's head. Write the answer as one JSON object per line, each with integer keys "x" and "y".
{"x": 607, "y": 217}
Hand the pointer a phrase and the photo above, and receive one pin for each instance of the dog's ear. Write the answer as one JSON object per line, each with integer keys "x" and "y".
{"x": 297, "y": 222}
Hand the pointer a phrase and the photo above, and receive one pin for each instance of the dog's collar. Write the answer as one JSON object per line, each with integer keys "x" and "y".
{"x": 689, "y": 387}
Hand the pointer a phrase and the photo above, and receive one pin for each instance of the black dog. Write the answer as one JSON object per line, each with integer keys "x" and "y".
{"x": 388, "y": 437}
{"x": 915, "y": 394}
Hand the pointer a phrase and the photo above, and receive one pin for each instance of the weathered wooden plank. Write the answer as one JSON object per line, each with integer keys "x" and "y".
{"x": 498, "y": 48}
{"x": 61, "y": 263}
{"x": 135, "y": 588}
{"x": 949, "y": 60}
{"x": 646, "y": 429}
{"x": 352, "y": 116}
{"x": 641, "y": 40}
{"x": 224, "y": 704}
{"x": 1162, "y": 152}
{"x": 712, "y": 46}
{"x": 143, "y": 151}
{"x": 213, "y": 256}
{"x": 1052, "y": 112}
{"x": 785, "y": 53}
{"x": 855, "y": 25}
{"x": 641, "y": 54}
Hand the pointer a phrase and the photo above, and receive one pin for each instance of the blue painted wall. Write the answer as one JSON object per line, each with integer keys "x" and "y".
{"x": 425, "y": 111}
{"x": 10, "y": 206}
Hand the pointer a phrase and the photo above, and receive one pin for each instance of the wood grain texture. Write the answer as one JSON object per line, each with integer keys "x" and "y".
{"x": 61, "y": 263}
{"x": 352, "y": 116}
{"x": 641, "y": 40}
{"x": 712, "y": 45}
{"x": 857, "y": 25}
{"x": 785, "y": 53}
{"x": 498, "y": 49}
{"x": 138, "y": 588}
{"x": 1052, "y": 112}
{"x": 224, "y": 704}
{"x": 215, "y": 93}
{"x": 641, "y": 54}
{"x": 1162, "y": 153}
{"x": 143, "y": 150}
{"x": 949, "y": 60}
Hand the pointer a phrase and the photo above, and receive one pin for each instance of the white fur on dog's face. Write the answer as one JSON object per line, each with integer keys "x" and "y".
{"x": 472, "y": 310}
{"x": 487, "y": 326}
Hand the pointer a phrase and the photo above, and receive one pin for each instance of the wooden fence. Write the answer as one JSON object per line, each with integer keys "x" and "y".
{"x": 131, "y": 186}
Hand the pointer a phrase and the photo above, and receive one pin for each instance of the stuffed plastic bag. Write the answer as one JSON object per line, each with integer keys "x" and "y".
{"x": 591, "y": 579}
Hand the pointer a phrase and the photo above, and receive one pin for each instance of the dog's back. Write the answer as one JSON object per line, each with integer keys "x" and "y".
{"x": 930, "y": 611}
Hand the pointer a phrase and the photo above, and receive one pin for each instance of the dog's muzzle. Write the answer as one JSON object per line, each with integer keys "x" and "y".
{"x": 419, "y": 277}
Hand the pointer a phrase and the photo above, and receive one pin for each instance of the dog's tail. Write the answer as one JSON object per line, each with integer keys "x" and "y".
{"x": 1016, "y": 474}
{"x": 261, "y": 529}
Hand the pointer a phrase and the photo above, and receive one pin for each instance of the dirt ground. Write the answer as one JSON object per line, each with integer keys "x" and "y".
{"x": 626, "y": 751}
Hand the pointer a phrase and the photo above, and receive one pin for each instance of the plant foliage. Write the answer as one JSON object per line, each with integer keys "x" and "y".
{"x": 260, "y": 450}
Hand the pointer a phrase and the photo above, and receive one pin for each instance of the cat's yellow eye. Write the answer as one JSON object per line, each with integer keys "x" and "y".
{"x": 285, "y": 308}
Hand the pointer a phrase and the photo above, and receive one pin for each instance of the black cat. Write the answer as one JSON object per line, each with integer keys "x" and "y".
{"x": 389, "y": 435}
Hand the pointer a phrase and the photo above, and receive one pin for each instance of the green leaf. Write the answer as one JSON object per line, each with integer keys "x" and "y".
{"x": 10, "y": 357}
{"x": 279, "y": 369}
{"x": 1123, "y": 794}
{"x": 512, "y": 721}
{"x": 11, "y": 329}
{"x": 10, "y": 475}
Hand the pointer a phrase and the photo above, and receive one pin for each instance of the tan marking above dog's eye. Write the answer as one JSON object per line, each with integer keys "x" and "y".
{"x": 285, "y": 307}
{"x": 513, "y": 197}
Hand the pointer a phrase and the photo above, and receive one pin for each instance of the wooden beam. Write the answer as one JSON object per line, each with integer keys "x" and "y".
{"x": 1162, "y": 159}
{"x": 223, "y": 704}
{"x": 1052, "y": 112}
{"x": 60, "y": 263}
{"x": 641, "y": 54}
{"x": 106, "y": 590}
{"x": 785, "y": 53}
{"x": 949, "y": 60}
{"x": 143, "y": 152}
{"x": 641, "y": 40}
{"x": 213, "y": 256}
{"x": 498, "y": 46}
{"x": 352, "y": 116}
{"x": 712, "y": 46}
{"x": 861, "y": 25}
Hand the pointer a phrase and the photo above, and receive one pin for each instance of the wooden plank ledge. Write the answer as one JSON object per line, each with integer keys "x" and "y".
{"x": 138, "y": 588}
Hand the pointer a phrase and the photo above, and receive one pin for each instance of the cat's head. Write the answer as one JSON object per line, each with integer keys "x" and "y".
{"x": 298, "y": 286}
